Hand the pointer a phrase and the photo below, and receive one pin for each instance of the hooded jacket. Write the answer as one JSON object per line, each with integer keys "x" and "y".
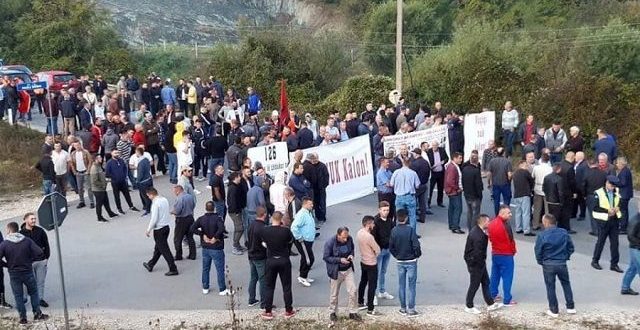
{"x": 19, "y": 252}
{"x": 177, "y": 136}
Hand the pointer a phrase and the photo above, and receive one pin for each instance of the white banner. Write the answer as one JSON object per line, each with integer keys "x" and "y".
{"x": 479, "y": 129}
{"x": 350, "y": 169}
{"x": 274, "y": 157}
{"x": 414, "y": 139}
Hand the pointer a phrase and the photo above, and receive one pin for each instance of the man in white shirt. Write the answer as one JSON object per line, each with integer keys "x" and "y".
{"x": 183, "y": 151}
{"x": 509, "y": 125}
{"x": 539, "y": 172}
{"x": 136, "y": 158}
{"x": 61, "y": 161}
{"x": 159, "y": 225}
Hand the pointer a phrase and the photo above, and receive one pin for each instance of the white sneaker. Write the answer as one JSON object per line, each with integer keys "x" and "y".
{"x": 385, "y": 295}
{"x": 205, "y": 291}
{"x": 226, "y": 292}
{"x": 495, "y": 306}
{"x": 375, "y": 301}
{"x": 572, "y": 311}
{"x": 303, "y": 282}
{"x": 472, "y": 310}
{"x": 552, "y": 314}
{"x": 310, "y": 280}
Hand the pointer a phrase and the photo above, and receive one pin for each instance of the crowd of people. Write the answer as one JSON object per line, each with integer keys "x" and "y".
{"x": 133, "y": 136}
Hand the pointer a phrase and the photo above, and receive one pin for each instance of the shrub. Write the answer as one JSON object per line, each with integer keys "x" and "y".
{"x": 354, "y": 94}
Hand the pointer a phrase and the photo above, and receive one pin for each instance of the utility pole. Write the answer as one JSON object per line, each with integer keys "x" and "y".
{"x": 399, "y": 47}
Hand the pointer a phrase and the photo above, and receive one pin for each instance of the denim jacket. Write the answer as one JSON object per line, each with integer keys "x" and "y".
{"x": 553, "y": 246}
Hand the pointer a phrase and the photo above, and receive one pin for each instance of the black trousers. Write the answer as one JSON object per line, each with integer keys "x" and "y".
{"x": 102, "y": 200}
{"x": 61, "y": 184}
{"x": 556, "y": 211}
{"x": 368, "y": 280}
{"x": 478, "y": 276}
{"x": 320, "y": 204}
{"x": 278, "y": 267}
{"x": 146, "y": 202}
{"x": 579, "y": 204}
{"x": 200, "y": 160}
{"x": 565, "y": 215}
{"x": 305, "y": 249}
{"x": 437, "y": 178}
{"x": 161, "y": 236}
{"x": 3, "y": 297}
{"x": 391, "y": 199}
{"x": 183, "y": 107}
{"x": 183, "y": 224}
{"x": 156, "y": 150}
{"x": 421, "y": 197}
{"x": 607, "y": 229}
{"x": 121, "y": 188}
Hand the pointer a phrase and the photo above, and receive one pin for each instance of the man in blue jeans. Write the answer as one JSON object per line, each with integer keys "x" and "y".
{"x": 210, "y": 228}
{"x": 503, "y": 248}
{"x": 499, "y": 179}
{"x": 382, "y": 233}
{"x": 19, "y": 253}
{"x": 553, "y": 248}
{"x": 405, "y": 247}
{"x": 634, "y": 260}
{"x": 405, "y": 181}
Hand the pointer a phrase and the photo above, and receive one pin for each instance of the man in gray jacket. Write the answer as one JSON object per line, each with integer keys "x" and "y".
{"x": 183, "y": 211}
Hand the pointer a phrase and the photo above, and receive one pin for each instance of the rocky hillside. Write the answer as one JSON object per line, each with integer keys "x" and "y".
{"x": 206, "y": 21}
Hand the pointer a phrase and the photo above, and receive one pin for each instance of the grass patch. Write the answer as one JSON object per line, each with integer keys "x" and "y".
{"x": 496, "y": 323}
{"x": 19, "y": 150}
{"x": 600, "y": 324}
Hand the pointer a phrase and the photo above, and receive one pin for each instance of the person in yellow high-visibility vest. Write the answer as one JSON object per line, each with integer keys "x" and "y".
{"x": 606, "y": 213}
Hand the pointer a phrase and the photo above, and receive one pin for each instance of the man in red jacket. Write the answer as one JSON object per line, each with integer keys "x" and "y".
{"x": 453, "y": 189}
{"x": 503, "y": 248}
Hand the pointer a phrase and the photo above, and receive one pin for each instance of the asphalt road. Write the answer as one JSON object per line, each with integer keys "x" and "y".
{"x": 103, "y": 265}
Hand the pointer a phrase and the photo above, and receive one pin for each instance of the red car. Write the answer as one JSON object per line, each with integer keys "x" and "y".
{"x": 58, "y": 80}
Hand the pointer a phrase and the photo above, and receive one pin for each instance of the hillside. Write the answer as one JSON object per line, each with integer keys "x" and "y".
{"x": 206, "y": 21}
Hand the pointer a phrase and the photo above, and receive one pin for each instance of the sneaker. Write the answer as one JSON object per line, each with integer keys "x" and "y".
{"x": 511, "y": 304}
{"x": 403, "y": 312}
{"x": 147, "y": 266}
{"x": 205, "y": 291}
{"x": 375, "y": 301}
{"x": 552, "y": 314}
{"x": 495, "y": 306}
{"x": 43, "y": 303}
{"x": 472, "y": 310}
{"x": 81, "y": 205}
{"x": 171, "y": 273}
{"x": 355, "y": 317}
{"x": 24, "y": 321}
{"x": 373, "y": 313}
{"x": 267, "y": 316}
{"x": 134, "y": 209}
{"x": 40, "y": 316}
{"x": 226, "y": 292}
{"x": 144, "y": 214}
{"x": 237, "y": 251}
{"x": 310, "y": 280}
{"x": 304, "y": 282}
{"x": 333, "y": 317}
{"x": 253, "y": 303}
{"x": 121, "y": 211}
{"x": 92, "y": 206}
{"x": 385, "y": 295}
{"x": 572, "y": 311}
{"x": 413, "y": 314}
{"x": 628, "y": 292}
{"x": 362, "y": 307}
{"x": 289, "y": 314}
{"x": 201, "y": 179}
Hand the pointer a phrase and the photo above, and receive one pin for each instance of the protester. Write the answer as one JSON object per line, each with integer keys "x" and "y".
{"x": 369, "y": 252}
{"x": 143, "y": 182}
{"x": 553, "y": 248}
{"x": 405, "y": 247}
{"x": 383, "y": 224}
{"x": 499, "y": 179}
{"x": 503, "y": 249}
{"x": 47, "y": 168}
{"x": 338, "y": 256}
{"x": 594, "y": 179}
{"x": 569, "y": 191}
{"x": 236, "y": 202}
{"x": 19, "y": 253}
{"x": 80, "y": 165}
{"x": 159, "y": 224}
{"x": 277, "y": 239}
{"x": 437, "y": 157}
{"x": 210, "y": 228}
{"x": 183, "y": 211}
{"x": 257, "y": 257}
{"x": 475, "y": 256}
{"x": 318, "y": 175}
{"x": 39, "y": 236}
{"x": 453, "y": 189}
{"x": 607, "y": 215}
{"x": 522, "y": 188}
{"x": 385, "y": 191}
{"x": 625, "y": 188}
{"x": 472, "y": 187}
{"x": 405, "y": 181}
{"x": 116, "y": 170}
{"x": 634, "y": 260}
{"x": 304, "y": 231}
{"x": 99, "y": 189}
{"x": 509, "y": 126}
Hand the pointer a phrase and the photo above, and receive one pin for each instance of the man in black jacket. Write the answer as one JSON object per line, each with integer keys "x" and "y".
{"x": 234, "y": 157}
{"x": 553, "y": 187}
{"x": 472, "y": 188}
{"x": 19, "y": 253}
{"x": 568, "y": 175}
{"x": 210, "y": 228}
{"x": 235, "y": 204}
{"x": 305, "y": 136}
{"x": 46, "y": 167}
{"x": 634, "y": 262}
{"x": 257, "y": 257}
{"x": 594, "y": 179}
{"x": 383, "y": 224}
{"x": 437, "y": 158}
{"x": 423, "y": 169}
{"x": 39, "y": 236}
{"x": 475, "y": 255}
{"x": 318, "y": 175}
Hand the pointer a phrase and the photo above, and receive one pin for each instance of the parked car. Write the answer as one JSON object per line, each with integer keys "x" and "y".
{"x": 58, "y": 80}
{"x": 17, "y": 67}
{"x": 12, "y": 74}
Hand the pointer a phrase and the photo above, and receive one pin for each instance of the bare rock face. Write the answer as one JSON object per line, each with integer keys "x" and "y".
{"x": 205, "y": 21}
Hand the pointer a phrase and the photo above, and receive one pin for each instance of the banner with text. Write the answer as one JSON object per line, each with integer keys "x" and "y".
{"x": 479, "y": 129}
{"x": 414, "y": 139}
{"x": 274, "y": 157}
{"x": 350, "y": 169}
